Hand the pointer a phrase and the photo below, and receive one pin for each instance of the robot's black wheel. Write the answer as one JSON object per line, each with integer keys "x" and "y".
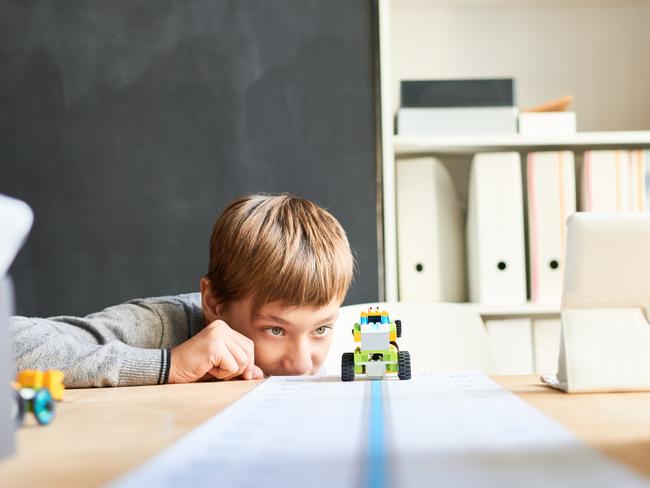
{"x": 18, "y": 409}
{"x": 404, "y": 365}
{"x": 398, "y": 326}
{"x": 347, "y": 366}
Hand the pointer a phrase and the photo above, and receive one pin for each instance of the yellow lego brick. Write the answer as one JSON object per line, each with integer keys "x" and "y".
{"x": 393, "y": 335}
{"x": 53, "y": 381}
{"x": 30, "y": 378}
{"x": 357, "y": 336}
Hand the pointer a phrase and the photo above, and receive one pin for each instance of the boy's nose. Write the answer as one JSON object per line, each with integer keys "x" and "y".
{"x": 299, "y": 361}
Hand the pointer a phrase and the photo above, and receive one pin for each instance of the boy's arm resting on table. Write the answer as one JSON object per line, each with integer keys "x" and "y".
{"x": 45, "y": 344}
{"x": 124, "y": 345}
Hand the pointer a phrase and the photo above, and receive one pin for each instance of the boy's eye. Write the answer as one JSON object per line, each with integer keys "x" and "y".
{"x": 276, "y": 331}
{"x": 322, "y": 330}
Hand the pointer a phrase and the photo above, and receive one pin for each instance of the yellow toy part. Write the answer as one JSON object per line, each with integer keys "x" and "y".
{"x": 30, "y": 378}
{"x": 393, "y": 335}
{"x": 357, "y": 336}
{"x": 374, "y": 313}
{"x": 53, "y": 381}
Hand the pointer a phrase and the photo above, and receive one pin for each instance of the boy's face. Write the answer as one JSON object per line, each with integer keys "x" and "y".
{"x": 288, "y": 340}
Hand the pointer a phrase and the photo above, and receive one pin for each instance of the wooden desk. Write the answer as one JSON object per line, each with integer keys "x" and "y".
{"x": 101, "y": 433}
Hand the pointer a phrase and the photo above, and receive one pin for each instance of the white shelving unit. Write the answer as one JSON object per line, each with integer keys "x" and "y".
{"x": 594, "y": 50}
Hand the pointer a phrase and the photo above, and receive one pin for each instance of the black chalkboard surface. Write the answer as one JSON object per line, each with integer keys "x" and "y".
{"x": 127, "y": 125}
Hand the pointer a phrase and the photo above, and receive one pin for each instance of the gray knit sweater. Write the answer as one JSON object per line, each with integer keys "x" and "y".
{"x": 124, "y": 345}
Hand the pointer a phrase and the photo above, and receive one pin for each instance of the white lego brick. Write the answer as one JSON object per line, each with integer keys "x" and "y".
{"x": 375, "y": 337}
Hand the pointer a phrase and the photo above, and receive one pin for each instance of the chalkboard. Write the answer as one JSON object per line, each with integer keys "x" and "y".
{"x": 128, "y": 125}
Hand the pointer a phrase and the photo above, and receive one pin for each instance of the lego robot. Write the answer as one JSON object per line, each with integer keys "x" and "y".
{"x": 36, "y": 392}
{"x": 377, "y": 353}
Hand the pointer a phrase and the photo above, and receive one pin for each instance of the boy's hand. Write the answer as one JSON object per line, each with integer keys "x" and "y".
{"x": 216, "y": 351}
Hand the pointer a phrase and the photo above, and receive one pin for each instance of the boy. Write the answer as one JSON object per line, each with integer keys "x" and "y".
{"x": 280, "y": 267}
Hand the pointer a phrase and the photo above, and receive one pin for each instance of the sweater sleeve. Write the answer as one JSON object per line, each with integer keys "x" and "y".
{"x": 124, "y": 345}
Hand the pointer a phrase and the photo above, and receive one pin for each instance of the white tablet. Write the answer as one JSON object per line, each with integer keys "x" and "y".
{"x": 605, "y": 303}
{"x": 607, "y": 260}
{"x": 15, "y": 221}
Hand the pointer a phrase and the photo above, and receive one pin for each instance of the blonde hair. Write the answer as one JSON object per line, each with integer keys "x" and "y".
{"x": 279, "y": 248}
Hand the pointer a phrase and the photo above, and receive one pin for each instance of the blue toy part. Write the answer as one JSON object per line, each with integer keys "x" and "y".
{"x": 384, "y": 319}
{"x": 364, "y": 320}
{"x": 43, "y": 406}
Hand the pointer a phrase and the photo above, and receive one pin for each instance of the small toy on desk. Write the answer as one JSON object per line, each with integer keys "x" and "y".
{"x": 378, "y": 353}
{"x": 36, "y": 392}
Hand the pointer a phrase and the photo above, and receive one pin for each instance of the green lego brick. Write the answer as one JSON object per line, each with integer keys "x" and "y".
{"x": 364, "y": 356}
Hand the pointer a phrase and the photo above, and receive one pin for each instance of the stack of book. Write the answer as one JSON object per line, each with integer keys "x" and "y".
{"x": 615, "y": 181}
{"x": 457, "y": 107}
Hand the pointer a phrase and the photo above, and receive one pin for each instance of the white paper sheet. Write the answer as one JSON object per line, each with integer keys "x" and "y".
{"x": 443, "y": 430}
{"x": 465, "y": 430}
